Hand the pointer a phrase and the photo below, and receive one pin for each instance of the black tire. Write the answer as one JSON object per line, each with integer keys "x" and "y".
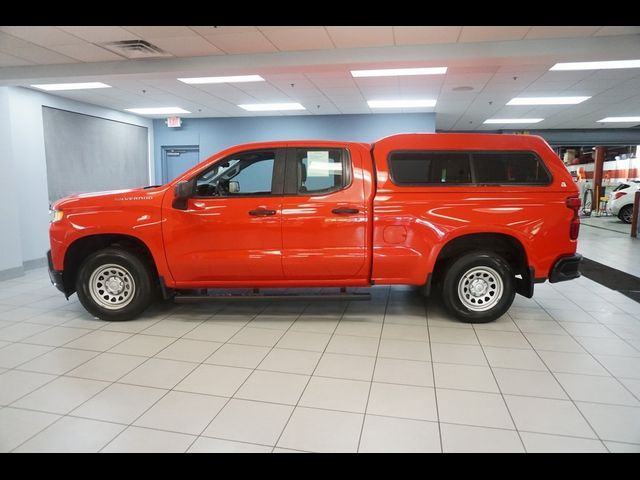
{"x": 470, "y": 267}
{"x": 129, "y": 273}
{"x": 626, "y": 213}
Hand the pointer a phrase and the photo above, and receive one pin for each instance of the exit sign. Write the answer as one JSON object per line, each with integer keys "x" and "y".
{"x": 174, "y": 122}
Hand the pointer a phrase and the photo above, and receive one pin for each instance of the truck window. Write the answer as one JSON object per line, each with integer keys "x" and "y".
{"x": 429, "y": 168}
{"x": 321, "y": 170}
{"x": 509, "y": 167}
{"x": 248, "y": 173}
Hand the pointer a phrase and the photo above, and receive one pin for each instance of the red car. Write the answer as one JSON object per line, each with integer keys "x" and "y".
{"x": 481, "y": 216}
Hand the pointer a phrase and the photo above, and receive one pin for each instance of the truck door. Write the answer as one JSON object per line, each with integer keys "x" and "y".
{"x": 230, "y": 233}
{"x": 324, "y": 215}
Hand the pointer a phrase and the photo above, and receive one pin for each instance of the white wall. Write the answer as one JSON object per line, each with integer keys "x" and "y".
{"x": 28, "y": 174}
{"x": 10, "y": 250}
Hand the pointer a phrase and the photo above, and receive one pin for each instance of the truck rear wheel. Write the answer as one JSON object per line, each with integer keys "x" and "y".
{"x": 114, "y": 284}
{"x": 478, "y": 287}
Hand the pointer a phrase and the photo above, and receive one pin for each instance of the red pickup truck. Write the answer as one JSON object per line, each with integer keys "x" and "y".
{"x": 480, "y": 216}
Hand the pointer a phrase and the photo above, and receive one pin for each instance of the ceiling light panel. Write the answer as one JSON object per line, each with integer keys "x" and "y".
{"x": 271, "y": 107}
{"x": 231, "y": 79}
{"x": 620, "y": 119}
{"x": 596, "y": 65}
{"x": 401, "y": 103}
{"x": 547, "y": 100}
{"x": 399, "y": 72}
{"x": 52, "y": 87}
{"x": 505, "y": 121}
{"x": 157, "y": 110}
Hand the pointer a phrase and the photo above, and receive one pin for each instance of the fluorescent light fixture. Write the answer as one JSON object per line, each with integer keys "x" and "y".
{"x": 401, "y": 103}
{"x": 52, "y": 87}
{"x": 157, "y": 110}
{"x": 271, "y": 107}
{"x": 513, "y": 120}
{"x": 596, "y": 65}
{"x": 233, "y": 79}
{"x": 547, "y": 100}
{"x": 620, "y": 119}
{"x": 399, "y": 72}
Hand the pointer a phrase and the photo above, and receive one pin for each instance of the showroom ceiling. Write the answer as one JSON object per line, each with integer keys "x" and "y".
{"x": 487, "y": 67}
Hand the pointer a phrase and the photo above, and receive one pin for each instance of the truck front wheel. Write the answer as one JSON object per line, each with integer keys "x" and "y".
{"x": 478, "y": 287}
{"x": 114, "y": 284}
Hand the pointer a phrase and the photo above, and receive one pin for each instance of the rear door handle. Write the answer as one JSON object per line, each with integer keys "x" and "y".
{"x": 261, "y": 212}
{"x": 344, "y": 211}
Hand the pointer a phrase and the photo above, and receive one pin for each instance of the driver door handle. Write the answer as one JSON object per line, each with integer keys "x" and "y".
{"x": 342, "y": 211}
{"x": 261, "y": 212}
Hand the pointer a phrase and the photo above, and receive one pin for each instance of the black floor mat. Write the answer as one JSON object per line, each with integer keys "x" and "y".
{"x": 622, "y": 282}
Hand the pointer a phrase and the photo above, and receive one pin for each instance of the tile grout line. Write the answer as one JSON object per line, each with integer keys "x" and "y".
{"x": 593, "y": 355}
{"x": 59, "y": 376}
{"x": 248, "y": 324}
{"x": 89, "y": 331}
{"x": 66, "y": 374}
{"x": 218, "y": 310}
{"x": 64, "y": 345}
{"x": 495, "y": 379}
{"x": 275, "y": 445}
{"x": 20, "y": 367}
{"x": 132, "y": 335}
{"x": 260, "y": 312}
{"x": 373, "y": 372}
{"x": 562, "y": 387}
{"x": 324, "y": 409}
{"x": 433, "y": 373}
{"x": 340, "y": 378}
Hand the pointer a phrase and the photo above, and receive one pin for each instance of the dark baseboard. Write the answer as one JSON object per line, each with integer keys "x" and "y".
{"x": 35, "y": 263}
{"x": 10, "y": 273}
{"x": 16, "y": 272}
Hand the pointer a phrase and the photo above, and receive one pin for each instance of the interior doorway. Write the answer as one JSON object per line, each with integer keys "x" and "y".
{"x": 177, "y": 160}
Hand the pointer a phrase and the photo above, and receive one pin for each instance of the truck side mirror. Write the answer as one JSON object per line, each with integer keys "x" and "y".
{"x": 183, "y": 190}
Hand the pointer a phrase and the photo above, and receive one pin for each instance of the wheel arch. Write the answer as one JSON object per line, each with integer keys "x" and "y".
{"x": 507, "y": 246}
{"x": 82, "y": 247}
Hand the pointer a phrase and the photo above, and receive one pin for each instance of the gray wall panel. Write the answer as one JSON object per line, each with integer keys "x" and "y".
{"x": 88, "y": 154}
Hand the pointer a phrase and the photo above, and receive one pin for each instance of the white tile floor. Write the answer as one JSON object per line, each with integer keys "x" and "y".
{"x": 560, "y": 372}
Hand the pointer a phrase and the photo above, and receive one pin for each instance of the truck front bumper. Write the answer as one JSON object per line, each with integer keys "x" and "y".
{"x": 55, "y": 275}
{"x": 566, "y": 268}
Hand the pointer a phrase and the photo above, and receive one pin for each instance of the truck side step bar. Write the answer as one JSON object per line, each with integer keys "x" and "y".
{"x": 237, "y": 297}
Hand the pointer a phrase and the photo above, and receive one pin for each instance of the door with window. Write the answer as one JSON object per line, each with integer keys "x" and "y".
{"x": 324, "y": 216}
{"x": 230, "y": 232}
{"x": 177, "y": 160}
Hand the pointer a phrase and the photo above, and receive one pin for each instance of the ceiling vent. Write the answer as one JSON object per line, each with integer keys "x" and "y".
{"x": 135, "y": 49}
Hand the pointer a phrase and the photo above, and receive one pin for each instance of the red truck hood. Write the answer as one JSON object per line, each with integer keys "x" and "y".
{"x": 107, "y": 197}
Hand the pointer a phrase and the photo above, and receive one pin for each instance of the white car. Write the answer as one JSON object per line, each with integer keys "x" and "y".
{"x": 621, "y": 203}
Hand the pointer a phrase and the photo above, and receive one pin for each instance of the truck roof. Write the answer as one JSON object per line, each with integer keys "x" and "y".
{"x": 396, "y": 141}
{"x": 460, "y": 141}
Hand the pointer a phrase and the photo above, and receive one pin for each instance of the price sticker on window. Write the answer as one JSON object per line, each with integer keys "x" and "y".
{"x": 320, "y": 165}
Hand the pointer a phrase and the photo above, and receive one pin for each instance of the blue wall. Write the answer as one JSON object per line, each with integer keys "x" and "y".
{"x": 215, "y": 134}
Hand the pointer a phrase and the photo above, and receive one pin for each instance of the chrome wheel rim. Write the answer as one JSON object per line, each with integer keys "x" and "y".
{"x": 480, "y": 289}
{"x": 627, "y": 215}
{"x": 112, "y": 286}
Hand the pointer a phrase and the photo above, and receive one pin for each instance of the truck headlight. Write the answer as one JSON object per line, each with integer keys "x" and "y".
{"x": 55, "y": 215}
